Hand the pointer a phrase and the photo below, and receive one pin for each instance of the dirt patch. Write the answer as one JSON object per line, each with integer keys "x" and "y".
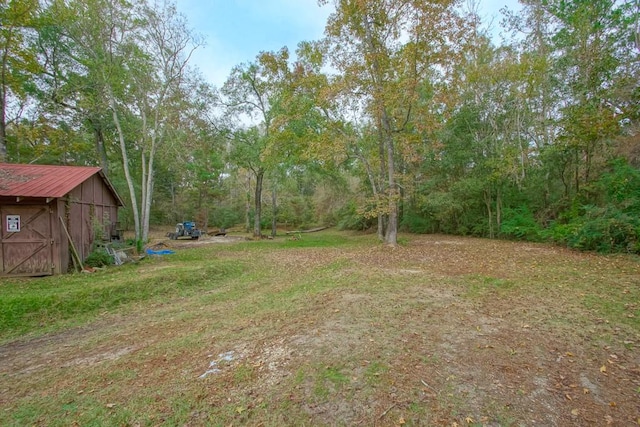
{"x": 159, "y": 243}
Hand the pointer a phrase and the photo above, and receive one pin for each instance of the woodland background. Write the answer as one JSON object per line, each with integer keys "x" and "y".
{"x": 408, "y": 115}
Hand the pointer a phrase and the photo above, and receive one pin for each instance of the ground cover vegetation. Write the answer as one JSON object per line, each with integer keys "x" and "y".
{"x": 330, "y": 329}
{"x": 407, "y": 115}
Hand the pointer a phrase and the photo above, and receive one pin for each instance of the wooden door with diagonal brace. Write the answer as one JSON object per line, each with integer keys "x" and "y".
{"x": 28, "y": 252}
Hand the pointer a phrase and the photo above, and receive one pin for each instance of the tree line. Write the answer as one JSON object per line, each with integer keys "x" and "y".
{"x": 407, "y": 115}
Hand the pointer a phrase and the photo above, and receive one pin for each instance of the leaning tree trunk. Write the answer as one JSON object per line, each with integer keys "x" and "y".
{"x": 147, "y": 185}
{"x": 101, "y": 149}
{"x": 125, "y": 165}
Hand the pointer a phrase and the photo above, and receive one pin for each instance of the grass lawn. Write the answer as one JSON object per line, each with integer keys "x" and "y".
{"x": 331, "y": 329}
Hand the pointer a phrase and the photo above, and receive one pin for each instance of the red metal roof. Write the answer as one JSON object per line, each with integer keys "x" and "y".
{"x": 18, "y": 180}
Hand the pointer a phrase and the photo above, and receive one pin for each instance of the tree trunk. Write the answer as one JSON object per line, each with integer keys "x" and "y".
{"x": 391, "y": 237}
{"x": 386, "y": 139}
{"x": 257, "y": 229}
{"x": 157, "y": 137}
{"x": 382, "y": 217}
{"x": 3, "y": 124}
{"x": 577, "y": 170}
{"x": 147, "y": 202}
{"x": 203, "y": 208}
{"x": 498, "y": 210}
{"x": 174, "y": 209}
{"x": 143, "y": 194}
{"x": 101, "y": 149}
{"x": 376, "y": 194}
{"x": 125, "y": 166}
{"x": 148, "y": 185}
{"x": 381, "y": 228}
{"x": 274, "y": 220}
{"x": 247, "y": 210}
{"x": 487, "y": 202}
{"x": 3, "y": 106}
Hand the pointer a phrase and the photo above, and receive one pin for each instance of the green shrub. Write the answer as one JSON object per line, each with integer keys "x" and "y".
{"x": 606, "y": 230}
{"x": 98, "y": 258}
{"x": 621, "y": 186}
{"x": 139, "y": 244}
{"x": 605, "y": 216}
{"x": 350, "y": 218}
{"x": 225, "y": 217}
{"x": 416, "y": 223}
{"x": 519, "y": 223}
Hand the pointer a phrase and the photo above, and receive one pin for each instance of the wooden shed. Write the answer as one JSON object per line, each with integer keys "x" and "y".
{"x": 42, "y": 207}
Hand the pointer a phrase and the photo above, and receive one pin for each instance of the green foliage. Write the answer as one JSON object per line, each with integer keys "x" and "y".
{"x": 413, "y": 222}
{"x": 519, "y": 223}
{"x": 350, "y": 218}
{"x": 297, "y": 210}
{"x": 611, "y": 225}
{"x": 225, "y": 217}
{"x": 456, "y": 208}
{"x": 137, "y": 243}
{"x": 444, "y": 211}
{"x": 601, "y": 229}
{"x": 621, "y": 186}
{"x": 99, "y": 258}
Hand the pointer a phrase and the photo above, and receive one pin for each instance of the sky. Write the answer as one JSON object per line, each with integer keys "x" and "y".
{"x": 236, "y": 31}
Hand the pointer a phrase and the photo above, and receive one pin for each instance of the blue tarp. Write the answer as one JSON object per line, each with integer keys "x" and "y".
{"x": 161, "y": 252}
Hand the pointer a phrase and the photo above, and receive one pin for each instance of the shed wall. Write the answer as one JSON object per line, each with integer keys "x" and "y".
{"x": 91, "y": 209}
{"x": 33, "y": 250}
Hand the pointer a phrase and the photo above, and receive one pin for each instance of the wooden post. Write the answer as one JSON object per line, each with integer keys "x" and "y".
{"x": 77, "y": 262}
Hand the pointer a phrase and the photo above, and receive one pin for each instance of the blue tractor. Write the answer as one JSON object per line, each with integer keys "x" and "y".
{"x": 185, "y": 229}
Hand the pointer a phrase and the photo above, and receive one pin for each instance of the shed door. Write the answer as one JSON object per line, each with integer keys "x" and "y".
{"x": 26, "y": 242}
